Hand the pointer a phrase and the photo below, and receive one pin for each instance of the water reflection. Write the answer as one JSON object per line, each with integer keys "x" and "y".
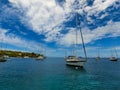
{"x": 82, "y": 70}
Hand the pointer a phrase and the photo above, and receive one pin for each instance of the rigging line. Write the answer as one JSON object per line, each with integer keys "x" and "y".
{"x": 116, "y": 53}
{"x": 83, "y": 44}
{"x": 111, "y": 53}
{"x": 98, "y": 52}
{"x": 76, "y": 32}
{"x": 76, "y": 28}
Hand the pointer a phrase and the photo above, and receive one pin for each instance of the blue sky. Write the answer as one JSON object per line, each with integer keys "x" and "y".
{"x": 49, "y": 25}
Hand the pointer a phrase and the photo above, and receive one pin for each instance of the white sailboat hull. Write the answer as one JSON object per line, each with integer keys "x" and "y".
{"x": 2, "y": 59}
{"x": 97, "y": 58}
{"x": 113, "y": 59}
{"x": 76, "y": 63}
{"x": 40, "y": 58}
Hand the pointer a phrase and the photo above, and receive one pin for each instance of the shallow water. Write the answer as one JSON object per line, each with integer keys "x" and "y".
{"x": 53, "y": 74}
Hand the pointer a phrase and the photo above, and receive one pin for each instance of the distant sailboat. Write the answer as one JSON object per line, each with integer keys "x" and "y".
{"x": 98, "y": 56}
{"x": 74, "y": 60}
{"x": 26, "y": 57}
{"x": 113, "y": 58}
{"x": 2, "y": 56}
{"x": 41, "y": 56}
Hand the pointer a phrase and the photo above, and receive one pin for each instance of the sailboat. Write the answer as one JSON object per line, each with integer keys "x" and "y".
{"x": 2, "y": 56}
{"x": 113, "y": 58}
{"x": 74, "y": 60}
{"x": 98, "y": 56}
{"x": 41, "y": 56}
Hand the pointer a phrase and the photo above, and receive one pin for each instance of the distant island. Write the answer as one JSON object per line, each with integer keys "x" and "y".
{"x": 19, "y": 54}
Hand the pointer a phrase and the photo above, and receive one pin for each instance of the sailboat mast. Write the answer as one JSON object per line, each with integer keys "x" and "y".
{"x": 1, "y": 46}
{"x": 81, "y": 36}
{"x": 76, "y": 33}
{"x": 116, "y": 53}
{"x": 111, "y": 53}
{"x": 76, "y": 28}
{"x": 83, "y": 44}
{"x": 98, "y": 52}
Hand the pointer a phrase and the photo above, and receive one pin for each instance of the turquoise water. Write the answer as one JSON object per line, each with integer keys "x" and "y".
{"x": 53, "y": 74}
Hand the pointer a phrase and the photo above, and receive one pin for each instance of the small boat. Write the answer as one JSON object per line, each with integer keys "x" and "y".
{"x": 40, "y": 57}
{"x": 6, "y": 56}
{"x": 26, "y": 57}
{"x": 113, "y": 59}
{"x": 97, "y": 58}
{"x": 2, "y": 58}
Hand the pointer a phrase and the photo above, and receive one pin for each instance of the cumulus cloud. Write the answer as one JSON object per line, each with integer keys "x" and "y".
{"x": 43, "y": 15}
{"x": 47, "y": 17}
{"x": 99, "y": 5}
{"x": 110, "y": 30}
{"x": 17, "y": 41}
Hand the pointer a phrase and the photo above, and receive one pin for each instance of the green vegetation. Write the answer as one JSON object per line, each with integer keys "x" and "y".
{"x": 19, "y": 54}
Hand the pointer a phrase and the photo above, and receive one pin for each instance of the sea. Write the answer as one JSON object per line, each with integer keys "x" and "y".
{"x": 53, "y": 74}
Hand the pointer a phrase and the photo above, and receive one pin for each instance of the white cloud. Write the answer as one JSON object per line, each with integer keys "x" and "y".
{"x": 98, "y": 6}
{"x": 47, "y": 17}
{"x": 110, "y": 30}
{"x": 43, "y": 15}
{"x": 18, "y": 42}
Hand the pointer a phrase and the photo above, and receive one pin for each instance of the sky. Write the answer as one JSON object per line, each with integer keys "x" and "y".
{"x": 49, "y": 26}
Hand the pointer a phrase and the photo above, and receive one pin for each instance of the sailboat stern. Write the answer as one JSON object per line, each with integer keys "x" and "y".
{"x": 76, "y": 63}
